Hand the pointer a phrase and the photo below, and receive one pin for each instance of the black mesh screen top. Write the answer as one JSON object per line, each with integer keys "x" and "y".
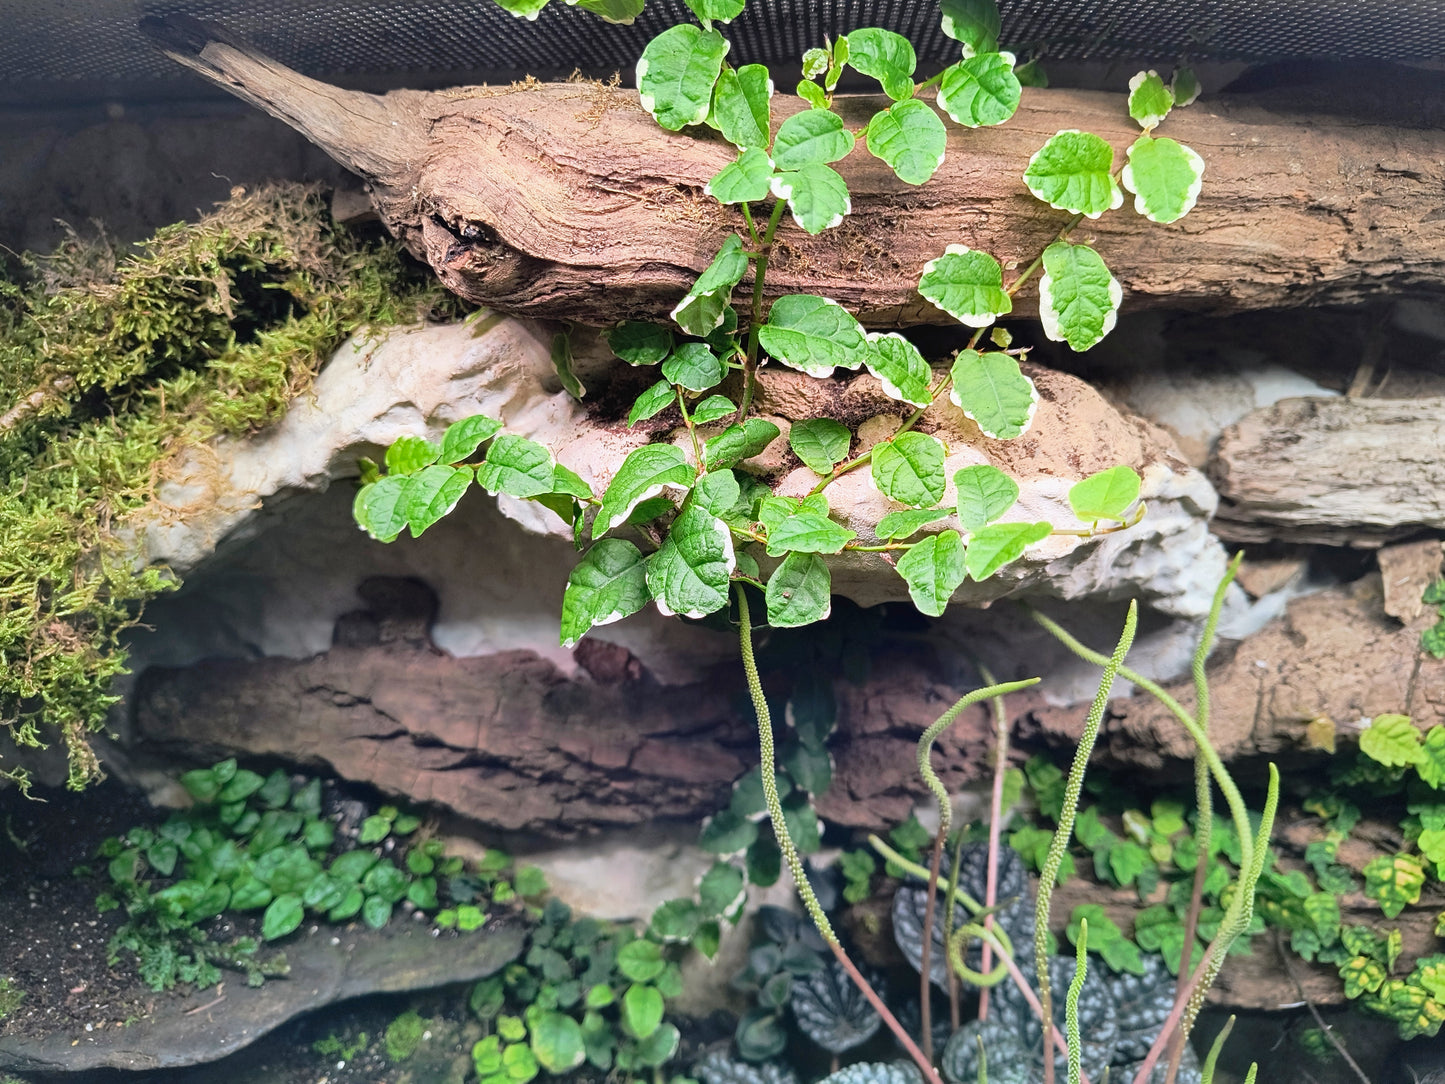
{"x": 55, "y": 49}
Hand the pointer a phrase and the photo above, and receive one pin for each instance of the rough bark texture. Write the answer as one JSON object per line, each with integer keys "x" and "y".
{"x": 1332, "y": 471}
{"x": 567, "y": 200}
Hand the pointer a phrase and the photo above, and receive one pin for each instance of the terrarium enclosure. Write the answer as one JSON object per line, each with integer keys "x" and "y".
{"x": 590, "y": 540}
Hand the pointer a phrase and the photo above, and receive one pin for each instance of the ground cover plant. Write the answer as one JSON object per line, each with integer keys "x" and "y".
{"x": 728, "y": 543}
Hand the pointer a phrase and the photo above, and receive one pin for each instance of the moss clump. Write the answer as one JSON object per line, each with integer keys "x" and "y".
{"x": 404, "y": 1035}
{"x": 10, "y": 998}
{"x": 108, "y": 369}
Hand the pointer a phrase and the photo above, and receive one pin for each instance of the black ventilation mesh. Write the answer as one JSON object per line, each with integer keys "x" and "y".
{"x": 49, "y": 45}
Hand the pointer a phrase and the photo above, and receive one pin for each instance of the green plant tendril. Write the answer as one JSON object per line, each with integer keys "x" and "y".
{"x": 1071, "y": 1003}
{"x": 1050, "y": 872}
{"x": 995, "y": 939}
{"x": 1206, "y": 1074}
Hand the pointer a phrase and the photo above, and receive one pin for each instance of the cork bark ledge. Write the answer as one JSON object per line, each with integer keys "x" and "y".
{"x": 567, "y": 201}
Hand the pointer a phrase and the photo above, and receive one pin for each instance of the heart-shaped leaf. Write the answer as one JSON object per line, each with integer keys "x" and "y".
{"x": 1073, "y": 172}
{"x": 739, "y": 441}
{"x": 981, "y": 91}
{"x": 799, "y": 591}
{"x": 639, "y": 343}
{"x": 712, "y": 408}
{"x": 689, "y": 574}
{"x": 1149, "y": 99}
{"x": 998, "y": 544}
{"x": 900, "y": 368}
{"x": 1078, "y": 297}
{"x": 609, "y": 583}
{"x": 885, "y": 56}
{"x": 517, "y": 467}
{"x": 434, "y": 491}
{"x": 747, "y": 180}
{"x": 741, "y": 107}
{"x": 993, "y": 391}
{"x": 701, "y": 309}
{"x": 621, "y": 12}
{"x": 1107, "y": 494}
{"x": 984, "y": 494}
{"x": 651, "y": 402}
{"x": 907, "y": 522}
{"x": 966, "y": 284}
{"x": 643, "y": 474}
{"x": 380, "y": 508}
{"x": 812, "y": 137}
{"x": 676, "y": 74}
{"x": 693, "y": 366}
{"x": 813, "y": 334}
{"x": 909, "y": 469}
{"x": 407, "y": 455}
{"x": 1164, "y": 176}
{"x": 723, "y": 11}
{"x": 832, "y": 1011}
{"x": 910, "y": 137}
{"x": 975, "y": 23}
{"x": 933, "y": 569}
{"x": 807, "y": 532}
{"x": 463, "y": 438}
{"x": 817, "y": 196}
{"x": 821, "y": 443}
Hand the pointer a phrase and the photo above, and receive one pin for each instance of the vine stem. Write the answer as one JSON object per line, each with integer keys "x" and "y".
{"x": 760, "y": 274}
{"x": 691, "y": 429}
{"x": 1049, "y": 874}
{"x": 1028, "y": 272}
{"x": 790, "y": 851}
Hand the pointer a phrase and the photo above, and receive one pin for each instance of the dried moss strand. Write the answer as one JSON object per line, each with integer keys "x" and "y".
{"x": 1050, "y": 872}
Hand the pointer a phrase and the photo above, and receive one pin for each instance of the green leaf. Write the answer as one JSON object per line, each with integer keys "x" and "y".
{"x": 562, "y": 362}
{"x": 640, "y": 961}
{"x": 693, "y": 366}
{"x": 610, "y": 583}
{"x": 900, "y": 368}
{"x": 557, "y": 1042}
{"x": 1184, "y": 86}
{"x": 1031, "y": 74}
{"x": 639, "y": 343}
{"x": 1164, "y": 176}
{"x": 716, "y": 492}
{"x": 799, "y": 591}
{"x": 812, "y": 137}
{"x": 992, "y": 390}
{"x": 764, "y": 861}
{"x": 1361, "y": 976}
{"x": 1393, "y": 741}
{"x": 722, "y": 889}
{"x": 1106, "y": 494}
{"x": 675, "y": 921}
{"x": 802, "y": 822}
{"x": 689, "y": 574}
{"x": 1149, "y": 99}
{"x": 283, "y": 914}
{"x": 380, "y": 508}
{"x": 676, "y": 74}
{"x": 463, "y": 438}
{"x": 808, "y": 532}
{"x": 1394, "y": 881}
{"x": 723, "y": 11}
{"x": 1431, "y": 765}
{"x": 885, "y": 56}
{"x": 1078, "y": 297}
{"x": 1432, "y": 640}
{"x": 622, "y": 12}
{"x": 518, "y": 467}
{"x": 569, "y": 483}
{"x": 992, "y": 547}
{"x": 701, "y": 310}
{"x": 651, "y": 402}
{"x": 748, "y": 180}
{"x": 934, "y": 569}
{"x": 909, "y": 469}
{"x": 984, "y": 494}
{"x": 741, "y": 108}
{"x": 812, "y": 769}
{"x": 410, "y": 454}
{"x": 658, "y": 1048}
{"x": 1126, "y": 860}
{"x": 1072, "y": 172}
{"x": 712, "y": 408}
{"x": 643, "y": 474}
{"x": 966, "y": 284}
{"x": 817, "y": 196}
{"x": 981, "y": 91}
{"x": 739, "y": 441}
{"x": 820, "y": 443}
{"x": 910, "y": 138}
{"x": 908, "y": 522}
{"x": 813, "y": 334}
{"x": 727, "y": 833}
{"x": 975, "y": 23}
{"x": 523, "y": 9}
{"x": 641, "y": 1010}
{"x": 434, "y": 491}
{"x": 812, "y": 93}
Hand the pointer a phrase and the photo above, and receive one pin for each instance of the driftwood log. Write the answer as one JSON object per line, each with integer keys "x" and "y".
{"x": 567, "y": 201}
{"x": 1333, "y": 471}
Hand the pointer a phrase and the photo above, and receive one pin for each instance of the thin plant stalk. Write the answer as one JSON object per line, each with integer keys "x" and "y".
{"x": 945, "y": 824}
{"x": 1206, "y": 1074}
{"x": 1049, "y": 874}
{"x": 995, "y": 827}
{"x": 760, "y": 274}
{"x": 790, "y": 850}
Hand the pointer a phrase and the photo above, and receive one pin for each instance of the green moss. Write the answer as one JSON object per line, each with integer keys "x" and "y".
{"x": 108, "y": 369}
{"x": 404, "y": 1035}
{"x": 10, "y": 998}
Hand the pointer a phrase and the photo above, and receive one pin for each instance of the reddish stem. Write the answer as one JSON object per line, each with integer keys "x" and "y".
{"x": 930, "y": 1074}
